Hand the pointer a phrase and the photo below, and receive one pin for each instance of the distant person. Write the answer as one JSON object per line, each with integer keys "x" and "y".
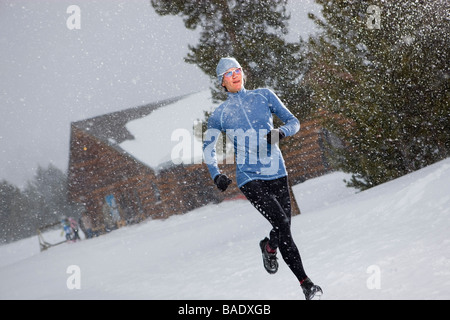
{"x": 74, "y": 227}
{"x": 246, "y": 118}
{"x": 66, "y": 228}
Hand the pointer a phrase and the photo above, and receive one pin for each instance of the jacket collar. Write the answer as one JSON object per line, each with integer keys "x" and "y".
{"x": 240, "y": 93}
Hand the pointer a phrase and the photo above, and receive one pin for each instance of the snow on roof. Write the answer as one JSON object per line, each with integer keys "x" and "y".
{"x": 166, "y": 136}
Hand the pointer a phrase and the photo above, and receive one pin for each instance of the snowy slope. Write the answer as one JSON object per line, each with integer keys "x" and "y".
{"x": 396, "y": 233}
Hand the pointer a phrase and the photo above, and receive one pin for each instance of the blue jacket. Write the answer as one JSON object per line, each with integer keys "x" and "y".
{"x": 246, "y": 118}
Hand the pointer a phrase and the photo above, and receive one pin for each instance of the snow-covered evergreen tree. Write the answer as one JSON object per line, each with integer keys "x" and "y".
{"x": 383, "y": 67}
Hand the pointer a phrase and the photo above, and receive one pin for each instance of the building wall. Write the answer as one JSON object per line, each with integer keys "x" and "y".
{"x": 304, "y": 153}
{"x": 97, "y": 170}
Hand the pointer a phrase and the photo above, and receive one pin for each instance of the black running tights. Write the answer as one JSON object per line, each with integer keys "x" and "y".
{"x": 272, "y": 199}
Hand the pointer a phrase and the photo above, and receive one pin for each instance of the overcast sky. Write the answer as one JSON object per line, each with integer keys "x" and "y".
{"x": 123, "y": 55}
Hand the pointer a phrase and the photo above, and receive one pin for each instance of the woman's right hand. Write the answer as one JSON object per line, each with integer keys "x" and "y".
{"x": 222, "y": 182}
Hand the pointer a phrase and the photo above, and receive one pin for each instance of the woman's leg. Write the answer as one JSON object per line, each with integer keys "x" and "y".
{"x": 272, "y": 199}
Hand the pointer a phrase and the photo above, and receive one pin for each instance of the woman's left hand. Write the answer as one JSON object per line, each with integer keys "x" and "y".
{"x": 277, "y": 134}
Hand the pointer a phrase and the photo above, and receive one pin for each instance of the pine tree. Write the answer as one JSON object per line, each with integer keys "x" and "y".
{"x": 383, "y": 84}
{"x": 253, "y": 32}
{"x": 10, "y": 212}
{"x": 42, "y": 202}
{"x": 47, "y": 195}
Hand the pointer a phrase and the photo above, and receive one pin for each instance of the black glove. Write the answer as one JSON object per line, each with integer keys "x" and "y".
{"x": 222, "y": 182}
{"x": 280, "y": 133}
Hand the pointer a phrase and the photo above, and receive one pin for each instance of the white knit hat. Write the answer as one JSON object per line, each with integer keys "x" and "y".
{"x": 225, "y": 64}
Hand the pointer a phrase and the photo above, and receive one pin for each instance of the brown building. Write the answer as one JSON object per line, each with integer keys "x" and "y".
{"x": 117, "y": 187}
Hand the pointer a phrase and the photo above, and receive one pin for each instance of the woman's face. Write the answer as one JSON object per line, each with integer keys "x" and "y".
{"x": 232, "y": 80}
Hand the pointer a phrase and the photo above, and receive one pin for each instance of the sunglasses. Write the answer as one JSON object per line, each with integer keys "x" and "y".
{"x": 230, "y": 73}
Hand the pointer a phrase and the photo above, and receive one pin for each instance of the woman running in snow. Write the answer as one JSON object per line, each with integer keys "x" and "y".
{"x": 246, "y": 118}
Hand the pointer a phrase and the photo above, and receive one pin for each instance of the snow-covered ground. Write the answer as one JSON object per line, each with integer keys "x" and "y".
{"x": 389, "y": 242}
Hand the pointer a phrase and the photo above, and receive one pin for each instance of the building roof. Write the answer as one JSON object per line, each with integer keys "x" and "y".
{"x": 111, "y": 127}
{"x": 146, "y": 132}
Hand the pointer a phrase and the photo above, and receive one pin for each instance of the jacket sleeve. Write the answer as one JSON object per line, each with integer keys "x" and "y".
{"x": 209, "y": 144}
{"x": 291, "y": 124}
